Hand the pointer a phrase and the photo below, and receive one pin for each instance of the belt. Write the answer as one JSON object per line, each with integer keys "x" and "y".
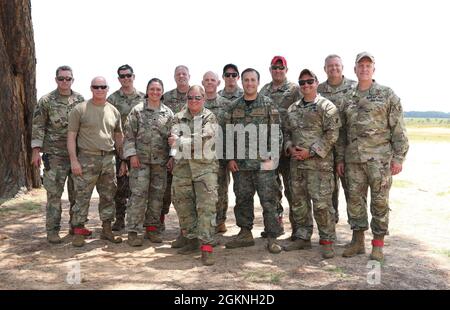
{"x": 98, "y": 153}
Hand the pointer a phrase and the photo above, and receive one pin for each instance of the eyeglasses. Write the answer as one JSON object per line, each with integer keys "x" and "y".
{"x": 303, "y": 82}
{"x": 194, "y": 97}
{"x": 64, "y": 78}
{"x": 128, "y": 75}
{"x": 99, "y": 86}
{"x": 278, "y": 67}
{"x": 234, "y": 74}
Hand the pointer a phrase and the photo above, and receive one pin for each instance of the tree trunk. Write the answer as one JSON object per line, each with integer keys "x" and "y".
{"x": 17, "y": 97}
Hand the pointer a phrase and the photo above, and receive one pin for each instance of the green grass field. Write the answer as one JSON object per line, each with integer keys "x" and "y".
{"x": 428, "y": 129}
{"x": 427, "y": 122}
{"x": 29, "y": 203}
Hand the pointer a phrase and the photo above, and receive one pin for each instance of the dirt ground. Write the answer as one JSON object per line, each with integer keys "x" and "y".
{"x": 417, "y": 250}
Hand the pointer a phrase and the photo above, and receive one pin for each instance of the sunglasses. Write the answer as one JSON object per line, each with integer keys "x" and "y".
{"x": 194, "y": 97}
{"x": 234, "y": 74}
{"x": 278, "y": 67}
{"x": 303, "y": 82}
{"x": 64, "y": 78}
{"x": 99, "y": 86}
{"x": 128, "y": 75}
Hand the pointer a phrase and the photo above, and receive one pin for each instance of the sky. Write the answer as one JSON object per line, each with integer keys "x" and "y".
{"x": 94, "y": 37}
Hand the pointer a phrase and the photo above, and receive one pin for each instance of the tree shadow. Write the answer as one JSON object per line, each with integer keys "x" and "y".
{"x": 29, "y": 262}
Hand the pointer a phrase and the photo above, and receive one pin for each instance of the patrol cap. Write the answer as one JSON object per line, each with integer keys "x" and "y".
{"x": 364, "y": 55}
{"x": 277, "y": 59}
{"x": 230, "y": 66}
{"x": 308, "y": 72}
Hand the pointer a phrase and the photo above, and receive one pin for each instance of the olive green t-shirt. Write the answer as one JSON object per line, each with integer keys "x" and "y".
{"x": 95, "y": 125}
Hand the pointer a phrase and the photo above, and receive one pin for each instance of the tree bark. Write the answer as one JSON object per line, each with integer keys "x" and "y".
{"x": 17, "y": 97}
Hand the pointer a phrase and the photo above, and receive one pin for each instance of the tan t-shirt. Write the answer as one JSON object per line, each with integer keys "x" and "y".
{"x": 95, "y": 125}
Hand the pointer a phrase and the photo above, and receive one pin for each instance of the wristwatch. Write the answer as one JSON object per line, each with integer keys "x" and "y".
{"x": 312, "y": 153}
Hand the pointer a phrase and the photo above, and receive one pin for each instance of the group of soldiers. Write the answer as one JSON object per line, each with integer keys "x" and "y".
{"x": 144, "y": 152}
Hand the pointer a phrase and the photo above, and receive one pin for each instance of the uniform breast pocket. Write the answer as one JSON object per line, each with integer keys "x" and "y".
{"x": 312, "y": 119}
{"x": 238, "y": 113}
{"x": 144, "y": 135}
{"x": 162, "y": 120}
{"x": 298, "y": 123}
{"x": 145, "y": 123}
{"x": 258, "y": 112}
{"x": 58, "y": 119}
{"x": 377, "y": 110}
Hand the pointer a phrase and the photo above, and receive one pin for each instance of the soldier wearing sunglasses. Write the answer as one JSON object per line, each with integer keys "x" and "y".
{"x": 124, "y": 99}
{"x": 334, "y": 89}
{"x": 49, "y": 136}
{"x": 371, "y": 149}
{"x": 194, "y": 185}
{"x": 230, "y": 75}
{"x": 311, "y": 130}
{"x": 283, "y": 93}
{"x": 94, "y": 136}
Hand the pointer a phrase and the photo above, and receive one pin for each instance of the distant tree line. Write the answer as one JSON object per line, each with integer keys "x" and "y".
{"x": 427, "y": 114}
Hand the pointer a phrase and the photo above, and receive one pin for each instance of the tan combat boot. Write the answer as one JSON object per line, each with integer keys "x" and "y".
{"x": 377, "y": 248}
{"x": 207, "y": 255}
{"x": 53, "y": 237}
{"x": 299, "y": 244}
{"x": 179, "y": 242}
{"x": 273, "y": 246}
{"x": 243, "y": 239}
{"x": 356, "y": 246}
{"x": 78, "y": 238}
{"x": 221, "y": 228}
{"x": 351, "y": 241}
{"x": 327, "y": 249}
{"x": 152, "y": 234}
{"x": 134, "y": 239}
{"x": 107, "y": 233}
{"x": 192, "y": 246}
{"x": 119, "y": 224}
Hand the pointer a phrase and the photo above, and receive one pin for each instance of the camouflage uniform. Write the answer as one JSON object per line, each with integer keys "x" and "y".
{"x": 176, "y": 101}
{"x": 98, "y": 166}
{"x": 313, "y": 126}
{"x": 50, "y": 123}
{"x": 123, "y": 103}
{"x": 194, "y": 187}
{"x": 251, "y": 177}
{"x": 373, "y": 135}
{"x": 218, "y": 106}
{"x": 282, "y": 98}
{"x": 146, "y": 134}
{"x": 98, "y": 170}
{"x": 232, "y": 96}
{"x": 335, "y": 95}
